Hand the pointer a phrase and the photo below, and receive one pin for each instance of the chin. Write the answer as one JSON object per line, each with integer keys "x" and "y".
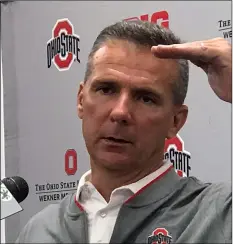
{"x": 115, "y": 161}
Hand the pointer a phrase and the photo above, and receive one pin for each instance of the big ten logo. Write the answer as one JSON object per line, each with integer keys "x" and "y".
{"x": 160, "y": 18}
{"x": 71, "y": 163}
{"x": 175, "y": 152}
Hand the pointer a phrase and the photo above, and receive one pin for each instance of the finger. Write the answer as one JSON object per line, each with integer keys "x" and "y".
{"x": 190, "y": 51}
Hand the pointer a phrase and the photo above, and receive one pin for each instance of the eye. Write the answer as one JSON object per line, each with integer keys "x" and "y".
{"x": 147, "y": 100}
{"x": 105, "y": 90}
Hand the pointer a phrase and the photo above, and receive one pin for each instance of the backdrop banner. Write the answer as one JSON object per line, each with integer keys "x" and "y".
{"x": 45, "y": 49}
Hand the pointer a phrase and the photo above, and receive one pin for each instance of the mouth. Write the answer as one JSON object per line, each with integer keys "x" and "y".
{"x": 116, "y": 140}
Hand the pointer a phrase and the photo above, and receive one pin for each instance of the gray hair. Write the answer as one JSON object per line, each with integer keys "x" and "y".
{"x": 146, "y": 34}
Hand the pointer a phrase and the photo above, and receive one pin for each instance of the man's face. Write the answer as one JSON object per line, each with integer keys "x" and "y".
{"x": 126, "y": 106}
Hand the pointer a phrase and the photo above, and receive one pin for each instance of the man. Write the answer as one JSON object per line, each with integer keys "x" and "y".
{"x": 131, "y": 101}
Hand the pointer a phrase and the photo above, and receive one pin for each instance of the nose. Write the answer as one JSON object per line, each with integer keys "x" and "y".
{"x": 121, "y": 112}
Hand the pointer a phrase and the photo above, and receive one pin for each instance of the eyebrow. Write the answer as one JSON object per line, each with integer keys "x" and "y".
{"x": 140, "y": 90}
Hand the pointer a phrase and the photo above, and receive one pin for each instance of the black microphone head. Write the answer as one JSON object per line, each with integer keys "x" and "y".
{"x": 17, "y": 186}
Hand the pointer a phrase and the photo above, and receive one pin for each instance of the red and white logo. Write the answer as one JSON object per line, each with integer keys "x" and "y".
{"x": 160, "y": 236}
{"x": 175, "y": 152}
{"x": 63, "y": 47}
{"x": 160, "y": 18}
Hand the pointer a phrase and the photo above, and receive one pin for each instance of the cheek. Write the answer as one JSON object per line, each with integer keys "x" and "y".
{"x": 154, "y": 126}
{"x": 152, "y": 133}
{"x": 93, "y": 116}
{"x": 89, "y": 117}
{"x": 90, "y": 108}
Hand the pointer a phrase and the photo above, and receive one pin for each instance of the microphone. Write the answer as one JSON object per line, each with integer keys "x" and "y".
{"x": 13, "y": 191}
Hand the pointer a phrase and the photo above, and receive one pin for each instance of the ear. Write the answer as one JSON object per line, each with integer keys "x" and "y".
{"x": 80, "y": 100}
{"x": 179, "y": 119}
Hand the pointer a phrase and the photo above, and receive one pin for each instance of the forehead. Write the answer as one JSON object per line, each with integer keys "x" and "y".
{"x": 128, "y": 61}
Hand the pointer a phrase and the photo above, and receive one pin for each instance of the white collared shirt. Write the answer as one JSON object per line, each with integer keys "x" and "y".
{"x": 102, "y": 215}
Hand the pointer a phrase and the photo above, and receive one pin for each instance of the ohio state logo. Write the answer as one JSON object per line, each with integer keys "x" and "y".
{"x": 175, "y": 152}
{"x": 160, "y": 236}
{"x": 63, "y": 47}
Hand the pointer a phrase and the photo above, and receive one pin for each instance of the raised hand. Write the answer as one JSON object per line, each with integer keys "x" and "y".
{"x": 213, "y": 56}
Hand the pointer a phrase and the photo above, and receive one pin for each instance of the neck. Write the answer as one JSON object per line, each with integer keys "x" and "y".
{"x": 106, "y": 180}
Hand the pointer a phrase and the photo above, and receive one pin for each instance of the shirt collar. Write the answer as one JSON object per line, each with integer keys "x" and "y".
{"x": 134, "y": 187}
{"x": 84, "y": 181}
